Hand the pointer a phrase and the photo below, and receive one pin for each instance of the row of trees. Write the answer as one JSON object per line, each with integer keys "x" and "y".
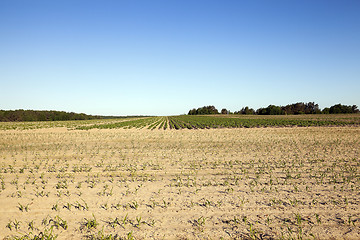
{"x": 204, "y": 111}
{"x": 32, "y": 115}
{"x": 291, "y": 109}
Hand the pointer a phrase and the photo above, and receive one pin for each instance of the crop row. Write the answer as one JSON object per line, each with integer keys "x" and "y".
{"x": 195, "y": 122}
{"x": 202, "y": 122}
{"x": 207, "y": 122}
{"x": 146, "y": 122}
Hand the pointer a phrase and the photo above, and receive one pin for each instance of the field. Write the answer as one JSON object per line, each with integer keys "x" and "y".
{"x": 182, "y": 177}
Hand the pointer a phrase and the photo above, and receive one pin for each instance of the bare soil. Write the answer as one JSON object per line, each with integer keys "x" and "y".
{"x": 260, "y": 183}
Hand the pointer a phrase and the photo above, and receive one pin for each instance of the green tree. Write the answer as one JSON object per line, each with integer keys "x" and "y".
{"x": 224, "y": 111}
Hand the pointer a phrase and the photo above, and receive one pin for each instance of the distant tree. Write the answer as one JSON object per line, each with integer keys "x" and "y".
{"x": 212, "y": 110}
{"x": 326, "y": 110}
{"x": 312, "y": 108}
{"x": 224, "y": 111}
{"x": 354, "y": 109}
{"x": 192, "y": 112}
{"x": 301, "y": 108}
{"x": 295, "y": 108}
{"x": 338, "y": 108}
{"x": 270, "y": 110}
{"x": 261, "y": 111}
{"x": 246, "y": 110}
{"x": 204, "y": 111}
{"x": 32, "y": 115}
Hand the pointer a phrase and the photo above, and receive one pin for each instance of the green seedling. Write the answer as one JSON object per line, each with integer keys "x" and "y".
{"x": 125, "y": 219}
{"x": 130, "y": 236}
{"x": 31, "y": 225}
{"x": 23, "y": 207}
{"x": 138, "y": 220}
{"x": 318, "y": 220}
{"x": 114, "y": 222}
{"x": 9, "y": 225}
{"x": 16, "y": 224}
{"x": 91, "y": 223}
{"x": 59, "y": 222}
{"x": 134, "y": 205}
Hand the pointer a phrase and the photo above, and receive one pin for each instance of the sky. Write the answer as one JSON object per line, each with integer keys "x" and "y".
{"x": 161, "y": 57}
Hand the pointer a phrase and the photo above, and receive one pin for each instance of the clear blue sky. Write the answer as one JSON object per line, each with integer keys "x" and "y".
{"x": 166, "y": 57}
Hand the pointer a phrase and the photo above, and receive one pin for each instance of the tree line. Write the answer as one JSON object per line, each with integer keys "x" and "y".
{"x": 35, "y": 115}
{"x": 290, "y": 109}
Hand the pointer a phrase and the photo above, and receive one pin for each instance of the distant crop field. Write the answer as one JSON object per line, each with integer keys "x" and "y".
{"x": 203, "y": 177}
{"x": 229, "y": 121}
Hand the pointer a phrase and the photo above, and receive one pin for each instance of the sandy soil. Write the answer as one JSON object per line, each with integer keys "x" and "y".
{"x": 187, "y": 184}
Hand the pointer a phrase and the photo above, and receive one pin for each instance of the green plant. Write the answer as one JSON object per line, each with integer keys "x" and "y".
{"x": 46, "y": 234}
{"x": 351, "y": 221}
{"x": 125, "y": 220}
{"x": 134, "y": 205}
{"x": 252, "y": 232}
{"x": 318, "y": 220}
{"x": 114, "y": 222}
{"x": 130, "y": 236}
{"x": 298, "y": 219}
{"x": 138, "y": 220}
{"x": 16, "y": 224}
{"x": 59, "y": 222}
{"x": 31, "y": 225}
{"x": 102, "y": 236}
{"x": 67, "y": 206}
{"x": 91, "y": 223}
{"x": 9, "y": 225}
{"x": 23, "y": 207}
{"x": 55, "y": 207}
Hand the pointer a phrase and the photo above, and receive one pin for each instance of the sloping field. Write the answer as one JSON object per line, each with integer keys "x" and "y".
{"x": 136, "y": 183}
